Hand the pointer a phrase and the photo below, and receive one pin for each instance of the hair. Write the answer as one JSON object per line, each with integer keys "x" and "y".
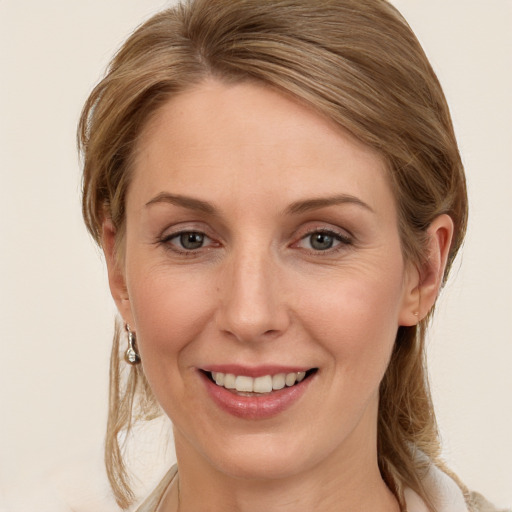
{"x": 358, "y": 63}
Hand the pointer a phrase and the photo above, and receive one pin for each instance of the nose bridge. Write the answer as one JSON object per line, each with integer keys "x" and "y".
{"x": 251, "y": 305}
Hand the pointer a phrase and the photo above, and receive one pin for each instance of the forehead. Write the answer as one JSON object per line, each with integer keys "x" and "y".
{"x": 219, "y": 141}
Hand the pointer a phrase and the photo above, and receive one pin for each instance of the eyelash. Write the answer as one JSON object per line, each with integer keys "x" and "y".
{"x": 167, "y": 242}
{"x": 343, "y": 241}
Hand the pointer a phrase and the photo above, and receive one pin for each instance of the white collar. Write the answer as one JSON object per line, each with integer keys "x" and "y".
{"x": 445, "y": 493}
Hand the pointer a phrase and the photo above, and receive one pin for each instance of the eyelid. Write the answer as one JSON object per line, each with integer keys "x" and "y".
{"x": 177, "y": 234}
{"x": 179, "y": 228}
{"x": 167, "y": 236}
{"x": 323, "y": 227}
{"x": 330, "y": 231}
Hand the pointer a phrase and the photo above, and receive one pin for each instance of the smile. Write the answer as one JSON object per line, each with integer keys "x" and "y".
{"x": 267, "y": 393}
{"x": 261, "y": 385}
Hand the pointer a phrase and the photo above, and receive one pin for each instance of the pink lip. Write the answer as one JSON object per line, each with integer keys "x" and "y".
{"x": 255, "y": 407}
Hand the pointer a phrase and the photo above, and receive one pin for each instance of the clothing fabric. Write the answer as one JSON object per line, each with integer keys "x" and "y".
{"x": 446, "y": 493}
{"x": 150, "y": 504}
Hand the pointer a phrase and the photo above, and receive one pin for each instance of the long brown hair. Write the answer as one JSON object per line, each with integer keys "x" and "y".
{"x": 356, "y": 62}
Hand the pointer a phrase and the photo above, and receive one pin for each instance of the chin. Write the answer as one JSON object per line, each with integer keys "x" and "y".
{"x": 265, "y": 457}
{"x": 260, "y": 468}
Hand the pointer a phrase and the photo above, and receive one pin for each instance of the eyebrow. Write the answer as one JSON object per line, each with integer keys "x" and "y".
{"x": 307, "y": 205}
{"x": 298, "y": 207}
{"x": 187, "y": 202}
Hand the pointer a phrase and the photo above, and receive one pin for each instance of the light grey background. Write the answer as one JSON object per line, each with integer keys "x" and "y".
{"x": 55, "y": 309}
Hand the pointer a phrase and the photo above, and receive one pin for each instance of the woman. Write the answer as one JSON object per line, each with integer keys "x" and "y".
{"x": 279, "y": 195}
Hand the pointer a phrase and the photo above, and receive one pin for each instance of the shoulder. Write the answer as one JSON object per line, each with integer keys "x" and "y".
{"x": 150, "y": 504}
{"x": 477, "y": 503}
{"x": 450, "y": 496}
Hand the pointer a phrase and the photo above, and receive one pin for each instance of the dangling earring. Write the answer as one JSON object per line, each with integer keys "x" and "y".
{"x": 131, "y": 356}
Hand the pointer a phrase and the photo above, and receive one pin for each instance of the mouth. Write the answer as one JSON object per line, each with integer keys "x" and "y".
{"x": 244, "y": 385}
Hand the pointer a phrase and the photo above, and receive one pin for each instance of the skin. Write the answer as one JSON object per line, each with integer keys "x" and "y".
{"x": 258, "y": 292}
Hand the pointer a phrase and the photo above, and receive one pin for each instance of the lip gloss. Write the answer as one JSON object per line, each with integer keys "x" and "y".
{"x": 257, "y": 406}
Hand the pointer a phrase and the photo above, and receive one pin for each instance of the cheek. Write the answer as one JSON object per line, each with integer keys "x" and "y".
{"x": 169, "y": 308}
{"x": 355, "y": 318}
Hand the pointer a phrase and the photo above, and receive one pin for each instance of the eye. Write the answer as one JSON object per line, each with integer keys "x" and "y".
{"x": 323, "y": 240}
{"x": 187, "y": 240}
{"x": 192, "y": 240}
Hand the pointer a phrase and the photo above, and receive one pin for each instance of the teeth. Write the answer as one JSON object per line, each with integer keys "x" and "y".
{"x": 265, "y": 384}
{"x": 229, "y": 381}
{"x": 290, "y": 379}
{"x": 279, "y": 381}
{"x": 243, "y": 383}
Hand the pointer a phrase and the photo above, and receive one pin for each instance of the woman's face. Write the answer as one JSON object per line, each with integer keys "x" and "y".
{"x": 262, "y": 243}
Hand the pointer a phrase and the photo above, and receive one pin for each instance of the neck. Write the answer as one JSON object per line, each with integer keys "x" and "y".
{"x": 301, "y": 494}
{"x": 354, "y": 483}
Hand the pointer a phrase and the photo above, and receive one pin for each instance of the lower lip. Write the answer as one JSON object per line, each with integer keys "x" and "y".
{"x": 255, "y": 407}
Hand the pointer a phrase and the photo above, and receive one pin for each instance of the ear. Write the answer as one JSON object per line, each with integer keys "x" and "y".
{"x": 116, "y": 274}
{"x": 423, "y": 283}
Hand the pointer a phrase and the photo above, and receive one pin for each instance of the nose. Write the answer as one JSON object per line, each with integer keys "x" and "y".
{"x": 252, "y": 305}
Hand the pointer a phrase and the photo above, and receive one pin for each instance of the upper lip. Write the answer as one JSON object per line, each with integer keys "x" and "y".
{"x": 254, "y": 371}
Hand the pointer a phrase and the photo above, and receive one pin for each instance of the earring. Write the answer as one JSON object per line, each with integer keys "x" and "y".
{"x": 131, "y": 356}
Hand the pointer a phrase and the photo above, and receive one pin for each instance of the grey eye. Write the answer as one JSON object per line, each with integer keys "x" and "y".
{"x": 321, "y": 241}
{"x": 191, "y": 240}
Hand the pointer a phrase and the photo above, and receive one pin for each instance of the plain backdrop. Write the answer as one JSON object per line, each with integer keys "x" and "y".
{"x": 56, "y": 315}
